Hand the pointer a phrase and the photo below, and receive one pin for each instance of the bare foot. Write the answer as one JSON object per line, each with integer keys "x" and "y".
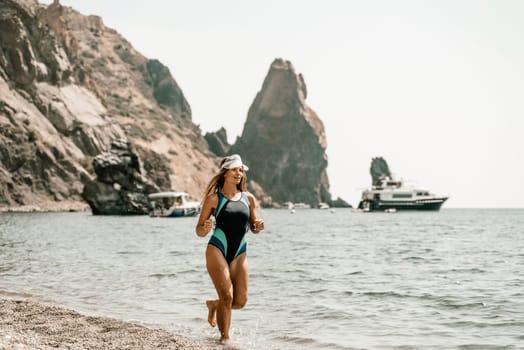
{"x": 224, "y": 341}
{"x": 212, "y": 314}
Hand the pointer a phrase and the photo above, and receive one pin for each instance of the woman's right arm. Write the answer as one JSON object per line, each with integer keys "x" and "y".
{"x": 205, "y": 224}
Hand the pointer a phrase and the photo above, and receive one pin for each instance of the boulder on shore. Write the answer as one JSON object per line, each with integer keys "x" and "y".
{"x": 120, "y": 188}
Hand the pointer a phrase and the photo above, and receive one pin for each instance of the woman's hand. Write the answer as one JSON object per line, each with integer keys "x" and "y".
{"x": 257, "y": 225}
{"x": 204, "y": 225}
{"x": 207, "y": 225}
{"x": 204, "y": 228}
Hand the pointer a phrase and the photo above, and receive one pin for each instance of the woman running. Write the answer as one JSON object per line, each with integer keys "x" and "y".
{"x": 226, "y": 198}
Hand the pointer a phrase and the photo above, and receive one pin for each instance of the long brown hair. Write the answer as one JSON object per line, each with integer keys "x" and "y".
{"x": 217, "y": 182}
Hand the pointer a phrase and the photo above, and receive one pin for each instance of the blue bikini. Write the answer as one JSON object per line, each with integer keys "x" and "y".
{"x": 232, "y": 223}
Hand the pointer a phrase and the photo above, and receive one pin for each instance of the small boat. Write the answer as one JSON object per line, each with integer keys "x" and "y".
{"x": 172, "y": 204}
{"x": 392, "y": 195}
{"x": 292, "y": 206}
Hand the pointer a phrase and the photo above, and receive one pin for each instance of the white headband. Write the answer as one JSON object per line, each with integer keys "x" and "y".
{"x": 233, "y": 161}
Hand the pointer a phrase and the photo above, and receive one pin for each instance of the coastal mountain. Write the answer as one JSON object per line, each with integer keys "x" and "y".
{"x": 284, "y": 141}
{"x": 77, "y": 101}
{"x": 69, "y": 86}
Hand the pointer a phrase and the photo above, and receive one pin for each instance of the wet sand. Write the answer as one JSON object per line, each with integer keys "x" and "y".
{"x": 27, "y": 324}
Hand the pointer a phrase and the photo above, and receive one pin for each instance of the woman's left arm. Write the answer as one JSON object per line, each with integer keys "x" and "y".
{"x": 255, "y": 224}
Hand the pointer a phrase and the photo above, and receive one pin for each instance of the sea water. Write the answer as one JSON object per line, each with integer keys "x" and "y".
{"x": 452, "y": 279}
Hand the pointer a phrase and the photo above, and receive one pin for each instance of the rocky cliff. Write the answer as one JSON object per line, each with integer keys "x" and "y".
{"x": 69, "y": 87}
{"x": 284, "y": 141}
{"x": 217, "y": 142}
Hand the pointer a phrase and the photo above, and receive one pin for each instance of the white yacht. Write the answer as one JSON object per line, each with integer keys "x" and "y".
{"x": 392, "y": 195}
{"x": 172, "y": 204}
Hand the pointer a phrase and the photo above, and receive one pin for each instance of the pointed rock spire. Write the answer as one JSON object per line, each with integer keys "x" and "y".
{"x": 284, "y": 141}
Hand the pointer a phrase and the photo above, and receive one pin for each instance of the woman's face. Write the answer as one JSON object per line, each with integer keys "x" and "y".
{"x": 234, "y": 175}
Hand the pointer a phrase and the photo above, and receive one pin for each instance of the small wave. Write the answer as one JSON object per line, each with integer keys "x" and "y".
{"x": 125, "y": 252}
{"x": 296, "y": 340}
{"x": 415, "y": 258}
{"x": 178, "y": 253}
{"x": 388, "y": 294}
{"x": 329, "y": 315}
{"x": 11, "y": 244}
{"x": 297, "y": 271}
{"x": 311, "y": 343}
{"x": 354, "y": 273}
{"x": 11, "y": 294}
{"x": 162, "y": 275}
{"x": 199, "y": 320}
{"x": 484, "y": 347}
{"x": 472, "y": 270}
{"x": 454, "y": 305}
{"x": 189, "y": 271}
{"x": 262, "y": 276}
{"x": 473, "y": 324}
{"x": 397, "y": 295}
{"x": 318, "y": 291}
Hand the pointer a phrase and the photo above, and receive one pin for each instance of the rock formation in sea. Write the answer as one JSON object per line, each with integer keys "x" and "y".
{"x": 379, "y": 170}
{"x": 284, "y": 141}
{"x": 69, "y": 87}
{"x": 340, "y": 203}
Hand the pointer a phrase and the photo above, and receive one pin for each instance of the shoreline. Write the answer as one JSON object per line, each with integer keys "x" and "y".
{"x": 48, "y": 207}
{"x": 29, "y": 324}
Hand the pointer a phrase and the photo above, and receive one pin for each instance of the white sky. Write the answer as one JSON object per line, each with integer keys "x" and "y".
{"x": 435, "y": 87}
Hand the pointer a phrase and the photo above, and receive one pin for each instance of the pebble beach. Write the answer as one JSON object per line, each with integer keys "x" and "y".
{"x": 27, "y": 324}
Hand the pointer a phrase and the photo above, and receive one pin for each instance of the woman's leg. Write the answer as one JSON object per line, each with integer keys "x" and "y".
{"x": 239, "y": 273}
{"x": 212, "y": 311}
{"x": 218, "y": 270}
